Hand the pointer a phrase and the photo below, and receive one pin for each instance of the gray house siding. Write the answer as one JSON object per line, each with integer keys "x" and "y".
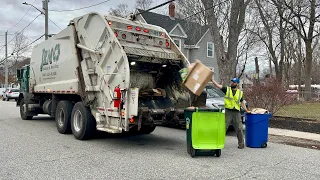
{"x": 184, "y": 51}
{"x": 177, "y": 31}
{"x": 201, "y": 54}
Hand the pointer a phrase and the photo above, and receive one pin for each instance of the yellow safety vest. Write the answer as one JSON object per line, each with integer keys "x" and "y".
{"x": 230, "y": 101}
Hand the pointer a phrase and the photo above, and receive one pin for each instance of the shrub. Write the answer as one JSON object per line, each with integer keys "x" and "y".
{"x": 270, "y": 95}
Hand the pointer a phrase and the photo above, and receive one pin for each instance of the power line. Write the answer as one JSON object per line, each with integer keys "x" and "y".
{"x": 218, "y": 4}
{"x": 2, "y": 61}
{"x": 2, "y": 47}
{"x": 79, "y": 8}
{"x": 22, "y": 17}
{"x": 24, "y": 28}
{"x": 55, "y": 24}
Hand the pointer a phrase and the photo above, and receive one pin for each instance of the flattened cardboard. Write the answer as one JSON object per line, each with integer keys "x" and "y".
{"x": 198, "y": 77}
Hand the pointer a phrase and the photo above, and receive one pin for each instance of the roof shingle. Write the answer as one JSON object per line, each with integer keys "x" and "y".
{"x": 193, "y": 30}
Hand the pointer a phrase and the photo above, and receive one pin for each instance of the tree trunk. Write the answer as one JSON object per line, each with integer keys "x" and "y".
{"x": 227, "y": 61}
{"x": 308, "y": 69}
{"x": 270, "y": 67}
{"x": 299, "y": 67}
{"x": 257, "y": 70}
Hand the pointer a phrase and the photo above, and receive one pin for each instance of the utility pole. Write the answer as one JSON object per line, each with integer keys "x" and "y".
{"x": 6, "y": 62}
{"x": 45, "y": 8}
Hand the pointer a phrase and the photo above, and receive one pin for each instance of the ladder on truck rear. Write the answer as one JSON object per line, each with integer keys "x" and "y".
{"x": 104, "y": 66}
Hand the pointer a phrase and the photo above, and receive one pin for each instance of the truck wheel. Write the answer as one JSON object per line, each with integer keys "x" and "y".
{"x": 63, "y": 117}
{"x": 147, "y": 129}
{"x": 23, "y": 111}
{"x": 82, "y": 122}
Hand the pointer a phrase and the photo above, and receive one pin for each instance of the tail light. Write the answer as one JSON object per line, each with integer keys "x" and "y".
{"x": 167, "y": 44}
{"x": 10, "y": 92}
{"x": 116, "y": 34}
{"x": 146, "y": 31}
{"x": 138, "y": 29}
{"x": 129, "y": 27}
{"x": 110, "y": 23}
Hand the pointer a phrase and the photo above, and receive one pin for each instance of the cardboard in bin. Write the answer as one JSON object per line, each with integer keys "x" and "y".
{"x": 198, "y": 77}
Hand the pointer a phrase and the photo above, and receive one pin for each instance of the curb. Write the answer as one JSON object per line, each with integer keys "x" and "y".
{"x": 294, "y": 134}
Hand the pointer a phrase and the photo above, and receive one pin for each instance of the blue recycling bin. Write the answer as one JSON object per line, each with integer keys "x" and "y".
{"x": 257, "y": 130}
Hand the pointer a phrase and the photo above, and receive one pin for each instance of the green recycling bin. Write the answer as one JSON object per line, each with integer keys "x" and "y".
{"x": 206, "y": 131}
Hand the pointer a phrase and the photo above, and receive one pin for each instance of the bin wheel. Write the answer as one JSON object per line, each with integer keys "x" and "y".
{"x": 192, "y": 152}
{"x": 264, "y": 145}
{"x": 218, "y": 152}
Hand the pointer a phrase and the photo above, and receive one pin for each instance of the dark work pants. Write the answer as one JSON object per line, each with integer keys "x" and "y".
{"x": 234, "y": 117}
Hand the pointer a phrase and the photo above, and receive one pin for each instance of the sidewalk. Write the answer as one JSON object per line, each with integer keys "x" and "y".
{"x": 296, "y": 134}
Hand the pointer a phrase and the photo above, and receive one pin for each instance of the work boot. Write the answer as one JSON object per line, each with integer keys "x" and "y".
{"x": 241, "y": 146}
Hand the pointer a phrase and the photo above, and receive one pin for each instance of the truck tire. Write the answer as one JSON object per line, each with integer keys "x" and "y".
{"x": 23, "y": 111}
{"x": 83, "y": 124}
{"x": 147, "y": 129}
{"x": 63, "y": 117}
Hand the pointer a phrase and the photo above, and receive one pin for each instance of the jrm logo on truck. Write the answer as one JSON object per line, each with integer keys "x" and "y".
{"x": 49, "y": 56}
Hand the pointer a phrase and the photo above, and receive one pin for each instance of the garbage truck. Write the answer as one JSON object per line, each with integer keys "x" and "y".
{"x": 105, "y": 73}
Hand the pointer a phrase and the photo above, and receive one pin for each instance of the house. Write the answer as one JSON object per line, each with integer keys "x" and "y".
{"x": 245, "y": 82}
{"x": 194, "y": 40}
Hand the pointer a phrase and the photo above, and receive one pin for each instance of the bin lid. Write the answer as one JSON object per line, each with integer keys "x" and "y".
{"x": 203, "y": 109}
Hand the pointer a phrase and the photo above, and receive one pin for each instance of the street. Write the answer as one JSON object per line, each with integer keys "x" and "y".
{"x": 35, "y": 150}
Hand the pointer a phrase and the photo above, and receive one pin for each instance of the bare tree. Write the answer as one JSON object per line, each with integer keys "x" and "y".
{"x": 122, "y": 10}
{"x": 227, "y": 60}
{"x": 190, "y": 7}
{"x": 304, "y": 13}
{"x": 143, "y": 4}
{"x": 272, "y": 32}
{"x": 19, "y": 48}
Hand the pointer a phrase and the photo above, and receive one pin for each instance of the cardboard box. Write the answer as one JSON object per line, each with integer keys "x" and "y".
{"x": 198, "y": 77}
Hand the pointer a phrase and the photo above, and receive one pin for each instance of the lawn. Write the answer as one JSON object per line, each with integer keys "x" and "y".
{"x": 304, "y": 110}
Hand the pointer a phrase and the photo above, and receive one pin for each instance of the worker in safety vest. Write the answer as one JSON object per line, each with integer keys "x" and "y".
{"x": 232, "y": 101}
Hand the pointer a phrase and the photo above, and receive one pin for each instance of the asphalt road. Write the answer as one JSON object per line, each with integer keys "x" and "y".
{"x": 35, "y": 150}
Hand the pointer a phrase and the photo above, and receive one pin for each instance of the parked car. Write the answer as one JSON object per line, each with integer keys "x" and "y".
{"x": 215, "y": 99}
{"x": 12, "y": 93}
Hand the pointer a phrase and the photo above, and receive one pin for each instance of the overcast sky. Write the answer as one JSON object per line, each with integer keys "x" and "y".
{"x": 12, "y": 11}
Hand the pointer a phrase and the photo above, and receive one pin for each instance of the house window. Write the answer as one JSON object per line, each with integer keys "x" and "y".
{"x": 209, "y": 49}
{"x": 177, "y": 42}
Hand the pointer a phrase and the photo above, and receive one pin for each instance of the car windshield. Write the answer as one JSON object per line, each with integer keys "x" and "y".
{"x": 214, "y": 93}
{"x": 14, "y": 90}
